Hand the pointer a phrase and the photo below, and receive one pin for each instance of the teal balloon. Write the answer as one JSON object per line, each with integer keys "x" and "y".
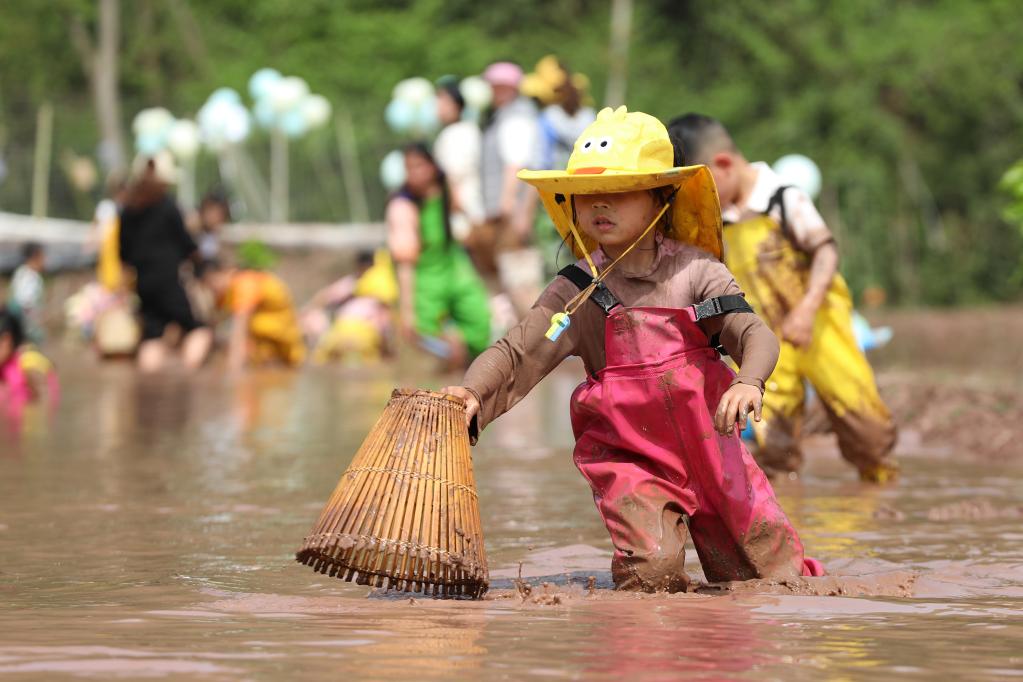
{"x": 147, "y": 145}
{"x": 225, "y": 95}
{"x": 294, "y": 124}
{"x": 262, "y": 81}
{"x": 265, "y": 115}
{"x": 426, "y": 120}
{"x": 392, "y": 170}
{"x": 400, "y": 116}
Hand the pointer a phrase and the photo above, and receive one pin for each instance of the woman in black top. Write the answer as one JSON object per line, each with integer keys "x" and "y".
{"x": 154, "y": 242}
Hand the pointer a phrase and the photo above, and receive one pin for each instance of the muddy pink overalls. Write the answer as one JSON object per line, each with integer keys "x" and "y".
{"x": 645, "y": 441}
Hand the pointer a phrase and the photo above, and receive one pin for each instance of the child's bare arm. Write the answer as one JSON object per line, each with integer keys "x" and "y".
{"x": 797, "y": 327}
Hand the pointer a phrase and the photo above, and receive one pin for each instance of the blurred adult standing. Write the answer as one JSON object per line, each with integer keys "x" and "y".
{"x": 154, "y": 242}
{"x": 566, "y": 113}
{"x": 564, "y": 119}
{"x": 457, "y": 151}
{"x": 510, "y": 143}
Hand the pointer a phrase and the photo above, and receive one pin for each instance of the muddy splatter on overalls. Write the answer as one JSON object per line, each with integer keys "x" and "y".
{"x": 773, "y": 274}
{"x": 645, "y": 441}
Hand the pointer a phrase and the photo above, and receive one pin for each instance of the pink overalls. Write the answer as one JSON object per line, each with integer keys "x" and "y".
{"x": 645, "y": 441}
{"x": 15, "y": 380}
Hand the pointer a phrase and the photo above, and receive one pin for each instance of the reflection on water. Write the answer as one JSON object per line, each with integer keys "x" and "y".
{"x": 147, "y": 528}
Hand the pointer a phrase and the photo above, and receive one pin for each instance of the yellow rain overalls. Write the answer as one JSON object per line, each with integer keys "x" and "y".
{"x": 273, "y": 331}
{"x": 773, "y": 272}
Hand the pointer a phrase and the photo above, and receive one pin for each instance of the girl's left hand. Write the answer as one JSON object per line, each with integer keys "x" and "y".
{"x": 736, "y": 403}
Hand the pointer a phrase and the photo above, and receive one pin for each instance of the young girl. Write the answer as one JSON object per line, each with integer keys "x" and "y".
{"x": 26, "y": 375}
{"x": 644, "y": 309}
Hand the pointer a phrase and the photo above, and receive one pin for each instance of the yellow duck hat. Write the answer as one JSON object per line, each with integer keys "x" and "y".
{"x": 625, "y": 152}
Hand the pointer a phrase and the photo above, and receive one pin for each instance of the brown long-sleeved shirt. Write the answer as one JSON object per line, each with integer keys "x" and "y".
{"x": 680, "y": 276}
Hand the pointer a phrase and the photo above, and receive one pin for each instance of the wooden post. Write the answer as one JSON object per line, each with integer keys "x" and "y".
{"x": 621, "y": 28}
{"x": 355, "y": 186}
{"x": 278, "y": 176}
{"x": 41, "y": 162}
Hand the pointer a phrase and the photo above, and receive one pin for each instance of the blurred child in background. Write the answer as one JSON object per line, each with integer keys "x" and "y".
{"x": 25, "y": 297}
{"x": 26, "y": 375}
{"x": 264, "y": 325}
{"x": 784, "y": 257}
{"x": 214, "y": 213}
{"x": 352, "y": 318}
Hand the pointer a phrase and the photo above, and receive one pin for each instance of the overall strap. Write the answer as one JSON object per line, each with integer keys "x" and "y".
{"x": 602, "y": 296}
{"x": 721, "y": 305}
{"x": 778, "y": 199}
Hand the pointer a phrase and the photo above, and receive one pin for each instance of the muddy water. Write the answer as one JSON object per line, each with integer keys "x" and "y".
{"x": 147, "y": 529}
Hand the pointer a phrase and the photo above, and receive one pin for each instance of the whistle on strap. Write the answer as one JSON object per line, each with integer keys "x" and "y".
{"x": 559, "y": 323}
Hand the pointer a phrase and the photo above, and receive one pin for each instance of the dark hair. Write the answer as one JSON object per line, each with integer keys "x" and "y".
{"x": 421, "y": 150}
{"x": 365, "y": 258}
{"x": 216, "y": 197}
{"x": 30, "y": 250}
{"x": 695, "y": 136}
{"x": 449, "y": 84}
{"x": 11, "y": 324}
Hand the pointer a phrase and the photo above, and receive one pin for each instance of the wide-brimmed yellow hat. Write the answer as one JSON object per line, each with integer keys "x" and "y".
{"x": 625, "y": 152}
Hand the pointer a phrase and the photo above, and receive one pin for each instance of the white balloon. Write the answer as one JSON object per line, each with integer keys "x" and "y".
{"x": 154, "y": 121}
{"x": 317, "y": 110}
{"x": 801, "y": 171}
{"x": 413, "y": 90}
{"x": 237, "y": 125}
{"x": 287, "y": 93}
{"x": 392, "y": 170}
{"x": 222, "y": 122}
{"x": 183, "y": 139}
{"x": 476, "y": 92}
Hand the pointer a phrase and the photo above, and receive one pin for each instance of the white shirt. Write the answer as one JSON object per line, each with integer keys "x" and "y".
{"x": 805, "y": 224}
{"x": 457, "y": 150}
{"x": 26, "y": 289}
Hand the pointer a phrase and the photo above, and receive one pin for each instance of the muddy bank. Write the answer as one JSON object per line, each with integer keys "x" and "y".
{"x": 955, "y": 415}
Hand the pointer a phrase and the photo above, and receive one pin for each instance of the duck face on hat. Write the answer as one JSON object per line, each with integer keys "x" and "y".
{"x": 622, "y": 142}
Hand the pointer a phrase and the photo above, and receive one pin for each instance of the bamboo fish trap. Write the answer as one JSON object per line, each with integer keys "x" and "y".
{"x": 405, "y": 515}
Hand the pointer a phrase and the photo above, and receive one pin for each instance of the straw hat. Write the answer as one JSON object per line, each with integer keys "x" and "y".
{"x": 626, "y": 152}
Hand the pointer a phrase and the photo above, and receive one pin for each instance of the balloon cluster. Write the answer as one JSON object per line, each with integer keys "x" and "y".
{"x": 413, "y": 106}
{"x": 224, "y": 120}
{"x": 413, "y": 111}
{"x": 156, "y": 129}
{"x": 284, "y": 103}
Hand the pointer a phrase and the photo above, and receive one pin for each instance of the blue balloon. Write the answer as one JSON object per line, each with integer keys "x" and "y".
{"x": 293, "y": 123}
{"x": 426, "y": 117}
{"x": 226, "y": 95}
{"x": 400, "y": 116}
{"x": 261, "y": 82}
{"x": 265, "y": 115}
{"x": 392, "y": 170}
{"x": 147, "y": 145}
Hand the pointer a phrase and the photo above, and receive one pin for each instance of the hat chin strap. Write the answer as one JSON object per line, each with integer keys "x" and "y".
{"x": 598, "y": 277}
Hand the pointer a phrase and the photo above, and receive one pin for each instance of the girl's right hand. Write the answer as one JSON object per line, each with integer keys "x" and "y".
{"x": 472, "y": 406}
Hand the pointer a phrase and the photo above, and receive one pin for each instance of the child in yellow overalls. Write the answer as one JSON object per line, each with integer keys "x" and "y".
{"x": 264, "y": 324}
{"x": 785, "y": 259}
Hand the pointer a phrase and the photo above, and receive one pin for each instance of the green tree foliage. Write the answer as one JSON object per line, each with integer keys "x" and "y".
{"x": 912, "y": 109}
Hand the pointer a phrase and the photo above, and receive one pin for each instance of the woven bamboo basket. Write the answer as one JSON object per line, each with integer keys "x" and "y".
{"x": 405, "y": 514}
